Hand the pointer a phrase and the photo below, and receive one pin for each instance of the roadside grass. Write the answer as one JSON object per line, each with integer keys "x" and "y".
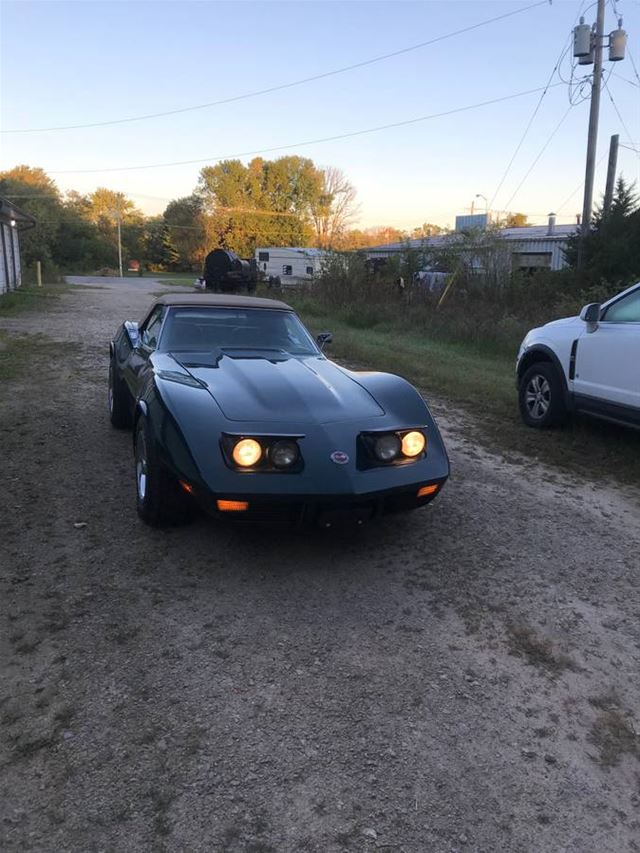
{"x": 31, "y": 297}
{"x": 480, "y": 382}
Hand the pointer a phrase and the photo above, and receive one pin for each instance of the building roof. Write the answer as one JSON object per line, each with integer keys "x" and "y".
{"x": 221, "y": 300}
{"x": 10, "y": 213}
{"x": 525, "y": 232}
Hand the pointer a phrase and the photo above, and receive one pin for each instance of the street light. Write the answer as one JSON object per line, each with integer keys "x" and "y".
{"x": 486, "y": 203}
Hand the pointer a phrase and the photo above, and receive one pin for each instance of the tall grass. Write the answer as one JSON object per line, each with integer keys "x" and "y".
{"x": 491, "y": 313}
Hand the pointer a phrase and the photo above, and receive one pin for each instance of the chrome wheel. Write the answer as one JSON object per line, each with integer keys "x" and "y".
{"x": 537, "y": 396}
{"x": 141, "y": 465}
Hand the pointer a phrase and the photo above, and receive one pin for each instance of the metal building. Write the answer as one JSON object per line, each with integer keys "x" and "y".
{"x": 528, "y": 248}
{"x": 12, "y": 221}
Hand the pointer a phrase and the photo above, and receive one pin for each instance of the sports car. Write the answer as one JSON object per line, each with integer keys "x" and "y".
{"x": 236, "y": 410}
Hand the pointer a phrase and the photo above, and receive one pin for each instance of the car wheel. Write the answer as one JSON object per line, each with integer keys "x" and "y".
{"x": 541, "y": 396}
{"x": 160, "y": 500}
{"x": 119, "y": 400}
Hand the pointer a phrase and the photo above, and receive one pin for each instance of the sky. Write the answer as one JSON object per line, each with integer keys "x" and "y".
{"x": 69, "y": 63}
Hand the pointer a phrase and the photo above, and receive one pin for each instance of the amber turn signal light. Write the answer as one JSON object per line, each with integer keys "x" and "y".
{"x": 232, "y": 506}
{"x": 425, "y": 491}
{"x": 187, "y": 487}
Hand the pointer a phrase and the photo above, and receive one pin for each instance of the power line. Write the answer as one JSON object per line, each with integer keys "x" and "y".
{"x": 541, "y": 152}
{"x": 618, "y": 113}
{"x": 282, "y": 86}
{"x": 528, "y": 127}
{"x": 579, "y": 187}
{"x": 334, "y": 138}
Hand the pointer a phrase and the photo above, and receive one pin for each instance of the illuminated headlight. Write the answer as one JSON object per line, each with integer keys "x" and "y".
{"x": 387, "y": 447}
{"x": 284, "y": 454}
{"x": 413, "y": 443}
{"x": 247, "y": 452}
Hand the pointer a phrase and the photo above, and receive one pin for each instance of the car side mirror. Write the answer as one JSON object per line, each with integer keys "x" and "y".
{"x": 591, "y": 315}
{"x": 323, "y": 339}
{"x": 133, "y": 332}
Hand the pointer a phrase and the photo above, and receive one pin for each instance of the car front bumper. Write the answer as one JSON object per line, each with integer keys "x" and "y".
{"x": 318, "y": 510}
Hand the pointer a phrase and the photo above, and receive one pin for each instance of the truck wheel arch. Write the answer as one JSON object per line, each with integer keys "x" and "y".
{"x": 542, "y": 353}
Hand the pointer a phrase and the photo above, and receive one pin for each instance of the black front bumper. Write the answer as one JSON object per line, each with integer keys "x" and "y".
{"x": 323, "y": 511}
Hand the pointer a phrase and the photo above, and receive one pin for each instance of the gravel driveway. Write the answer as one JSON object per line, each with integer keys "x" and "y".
{"x": 464, "y": 678}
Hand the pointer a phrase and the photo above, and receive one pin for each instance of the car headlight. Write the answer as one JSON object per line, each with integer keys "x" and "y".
{"x": 413, "y": 443}
{"x": 247, "y": 452}
{"x": 284, "y": 454}
{"x": 387, "y": 447}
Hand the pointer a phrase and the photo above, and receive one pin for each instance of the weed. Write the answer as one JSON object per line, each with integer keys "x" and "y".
{"x": 614, "y": 735}
{"x": 537, "y": 651}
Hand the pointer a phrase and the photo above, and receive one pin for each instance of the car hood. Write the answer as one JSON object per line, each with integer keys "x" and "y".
{"x": 281, "y": 388}
{"x": 564, "y": 321}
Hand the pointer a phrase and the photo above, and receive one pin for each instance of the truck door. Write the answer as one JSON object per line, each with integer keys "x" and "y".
{"x": 607, "y": 363}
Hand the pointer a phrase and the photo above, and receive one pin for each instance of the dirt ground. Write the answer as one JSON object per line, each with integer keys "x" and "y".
{"x": 464, "y": 678}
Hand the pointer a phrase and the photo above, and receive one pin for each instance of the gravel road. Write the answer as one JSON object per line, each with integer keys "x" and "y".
{"x": 464, "y": 678}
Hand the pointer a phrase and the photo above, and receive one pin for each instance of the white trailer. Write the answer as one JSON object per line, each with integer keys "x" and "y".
{"x": 293, "y": 266}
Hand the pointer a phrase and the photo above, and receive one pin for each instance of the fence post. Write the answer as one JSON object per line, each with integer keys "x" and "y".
{"x": 39, "y": 273}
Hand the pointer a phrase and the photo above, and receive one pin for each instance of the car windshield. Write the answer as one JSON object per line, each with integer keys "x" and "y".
{"x": 203, "y": 328}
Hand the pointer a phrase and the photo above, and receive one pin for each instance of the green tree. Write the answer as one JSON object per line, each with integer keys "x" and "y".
{"x": 186, "y": 221}
{"x": 612, "y": 246}
{"x": 159, "y": 250}
{"x": 32, "y": 190}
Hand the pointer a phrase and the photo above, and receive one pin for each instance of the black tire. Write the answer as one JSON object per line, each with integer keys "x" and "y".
{"x": 160, "y": 500}
{"x": 119, "y": 399}
{"x": 541, "y": 396}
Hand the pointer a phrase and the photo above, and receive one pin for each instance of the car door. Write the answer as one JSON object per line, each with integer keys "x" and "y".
{"x": 607, "y": 365}
{"x": 138, "y": 361}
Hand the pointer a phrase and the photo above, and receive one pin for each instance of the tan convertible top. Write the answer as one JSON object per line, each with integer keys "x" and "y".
{"x": 221, "y": 300}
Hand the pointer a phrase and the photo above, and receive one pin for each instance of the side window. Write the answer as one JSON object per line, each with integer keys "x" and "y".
{"x": 152, "y": 329}
{"x": 287, "y": 269}
{"x": 309, "y": 270}
{"x": 263, "y": 256}
{"x": 625, "y": 310}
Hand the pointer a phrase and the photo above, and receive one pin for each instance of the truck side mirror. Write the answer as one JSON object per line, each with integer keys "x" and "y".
{"x": 591, "y": 315}
{"x": 323, "y": 339}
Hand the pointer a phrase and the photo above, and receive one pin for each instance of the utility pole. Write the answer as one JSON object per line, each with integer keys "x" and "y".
{"x": 611, "y": 173}
{"x": 592, "y": 141}
{"x": 588, "y": 45}
{"x": 116, "y": 213}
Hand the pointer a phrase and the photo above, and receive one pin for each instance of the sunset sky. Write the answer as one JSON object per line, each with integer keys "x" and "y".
{"x": 68, "y": 63}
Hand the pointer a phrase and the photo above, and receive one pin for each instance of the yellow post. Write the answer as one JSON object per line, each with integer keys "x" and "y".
{"x": 39, "y": 273}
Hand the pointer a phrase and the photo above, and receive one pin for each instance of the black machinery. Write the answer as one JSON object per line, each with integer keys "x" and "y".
{"x": 225, "y": 272}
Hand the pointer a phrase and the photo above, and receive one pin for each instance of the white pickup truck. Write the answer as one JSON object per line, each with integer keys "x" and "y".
{"x": 588, "y": 364}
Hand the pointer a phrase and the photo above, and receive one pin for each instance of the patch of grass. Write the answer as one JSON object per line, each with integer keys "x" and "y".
{"x": 28, "y": 298}
{"x": 480, "y": 380}
{"x": 537, "y": 651}
{"x": 614, "y": 735}
{"x": 17, "y": 352}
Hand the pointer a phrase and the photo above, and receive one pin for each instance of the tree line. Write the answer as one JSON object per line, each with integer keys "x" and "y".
{"x": 289, "y": 201}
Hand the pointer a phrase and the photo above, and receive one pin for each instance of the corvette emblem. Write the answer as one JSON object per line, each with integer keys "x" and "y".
{"x": 339, "y": 457}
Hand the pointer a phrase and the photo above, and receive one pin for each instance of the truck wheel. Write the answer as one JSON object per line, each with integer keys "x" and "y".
{"x": 119, "y": 399}
{"x": 541, "y": 396}
{"x": 159, "y": 499}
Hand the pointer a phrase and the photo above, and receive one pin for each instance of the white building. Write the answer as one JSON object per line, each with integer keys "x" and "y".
{"x": 528, "y": 248}
{"x": 292, "y": 265}
{"x": 12, "y": 220}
